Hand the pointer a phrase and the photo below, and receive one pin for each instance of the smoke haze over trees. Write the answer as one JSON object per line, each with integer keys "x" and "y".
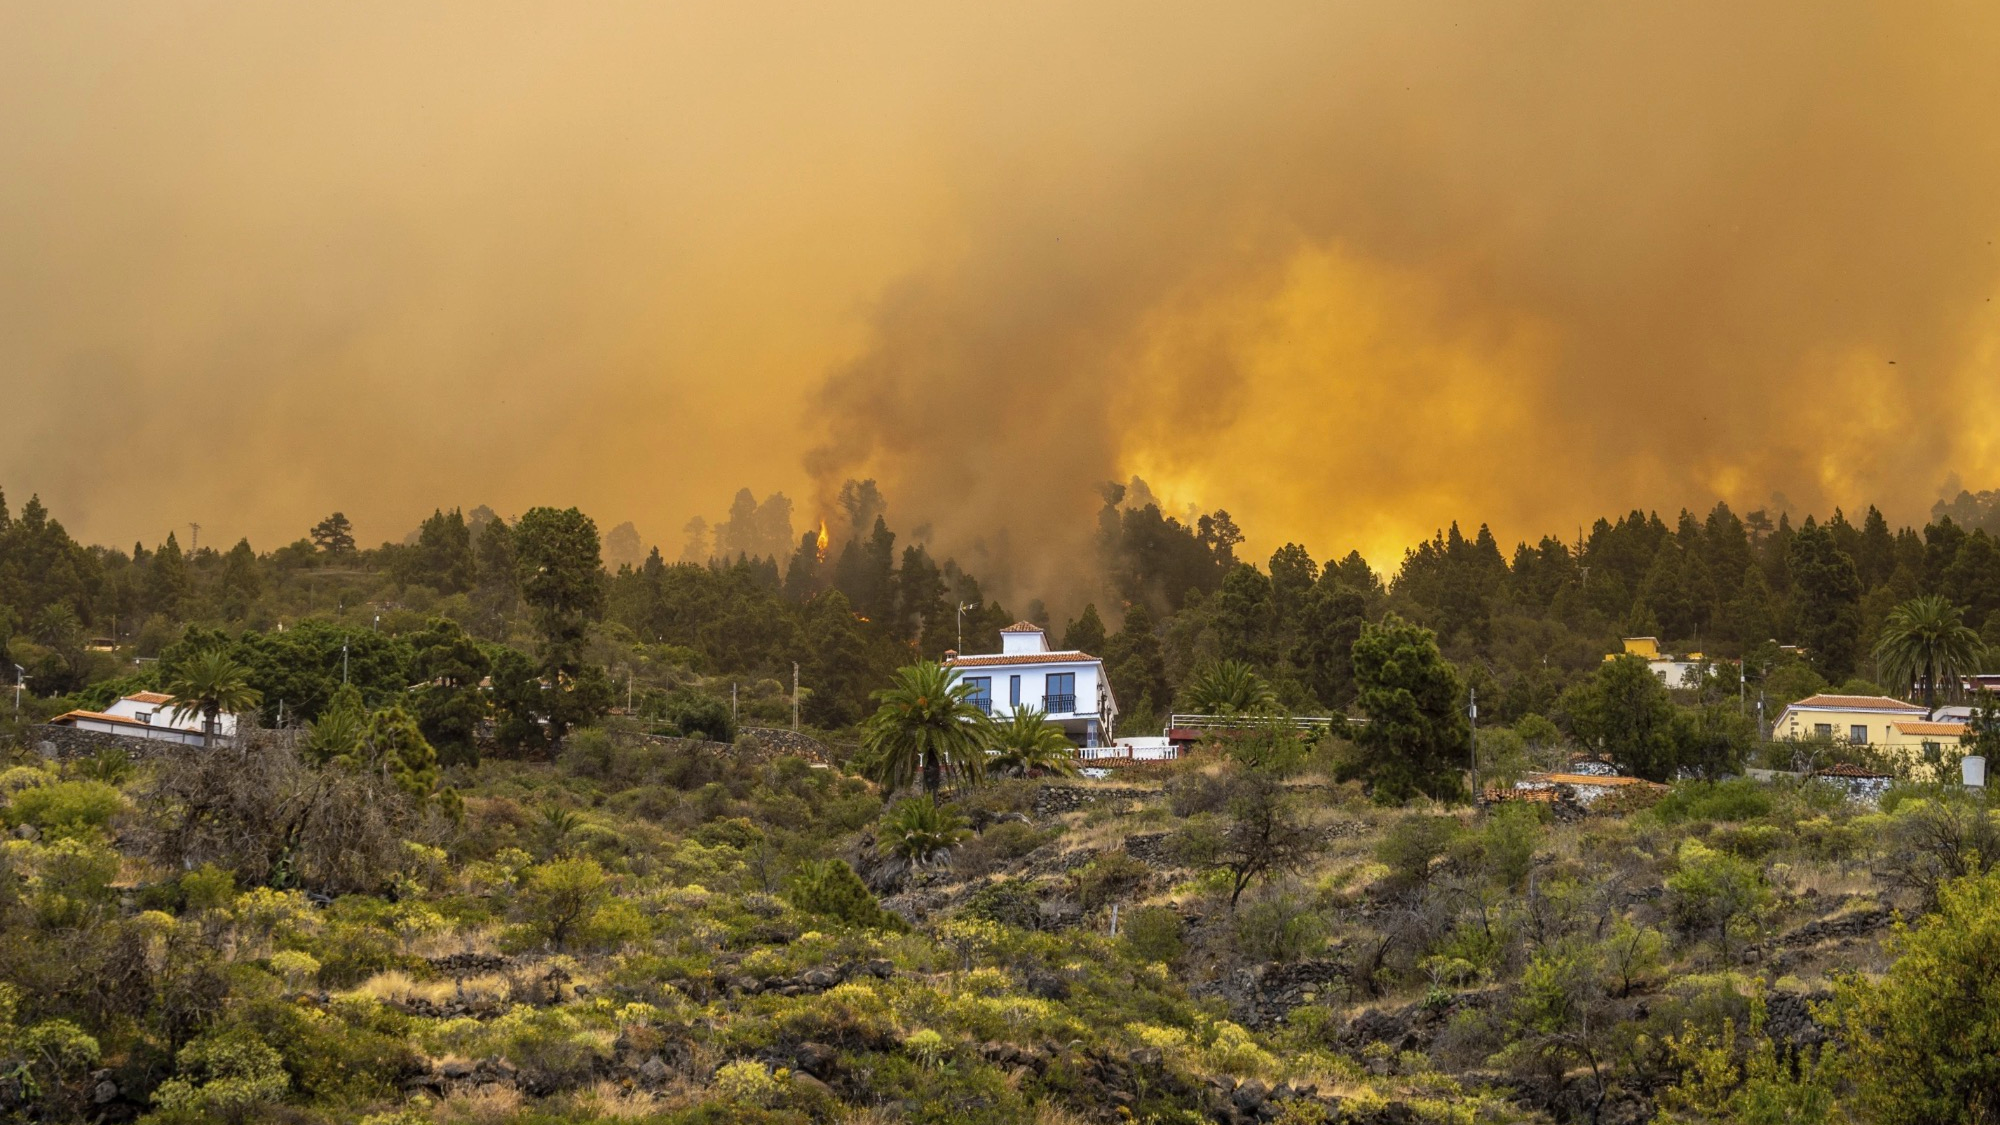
{"x": 1349, "y": 270}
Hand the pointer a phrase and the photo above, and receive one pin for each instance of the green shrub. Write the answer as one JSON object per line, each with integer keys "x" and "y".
{"x": 1111, "y": 876}
{"x": 1923, "y": 1036}
{"x": 1740, "y": 799}
{"x": 920, "y": 831}
{"x": 562, "y": 895}
{"x": 1279, "y": 926}
{"x": 831, "y": 889}
{"x": 229, "y": 1074}
{"x": 1508, "y": 840}
{"x": 1153, "y": 933}
{"x": 1712, "y": 889}
{"x": 1413, "y": 844}
{"x": 1010, "y": 902}
{"x": 207, "y": 887}
{"x": 66, "y": 809}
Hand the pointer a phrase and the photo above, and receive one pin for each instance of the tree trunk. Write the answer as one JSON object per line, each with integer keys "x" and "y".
{"x": 208, "y": 725}
{"x": 933, "y": 775}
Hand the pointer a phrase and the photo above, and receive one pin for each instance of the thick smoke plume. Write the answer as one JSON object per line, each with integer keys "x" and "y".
{"x": 1348, "y": 270}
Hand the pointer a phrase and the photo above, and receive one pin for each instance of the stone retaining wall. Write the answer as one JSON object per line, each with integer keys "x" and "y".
{"x": 1054, "y": 800}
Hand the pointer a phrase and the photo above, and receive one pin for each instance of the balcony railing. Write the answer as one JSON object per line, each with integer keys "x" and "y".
{"x": 983, "y": 702}
{"x": 1059, "y": 704}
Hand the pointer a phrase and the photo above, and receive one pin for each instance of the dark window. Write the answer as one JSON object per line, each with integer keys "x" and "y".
{"x": 982, "y": 691}
{"x": 1824, "y": 730}
{"x": 1013, "y": 691}
{"x": 1858, "y": 734}
{"x": 1059, "y": 695}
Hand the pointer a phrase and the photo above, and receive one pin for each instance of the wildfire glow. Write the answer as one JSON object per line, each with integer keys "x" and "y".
{"x": 822, "y": 540}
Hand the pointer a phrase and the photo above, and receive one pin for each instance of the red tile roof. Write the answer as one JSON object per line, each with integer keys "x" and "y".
{"x": 150, "y": 697}
{"x": 1070, "y": 657}
{"x": 1588, "y": 779}
{"x": 1857, "y": 703}
{"x": 1954, "y": 729}
{"x": 100, "y": 717}
{"x": 1024, "y": 627}
{"x": 1847, "y": 769}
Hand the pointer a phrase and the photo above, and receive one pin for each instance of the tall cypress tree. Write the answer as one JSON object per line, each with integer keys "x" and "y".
{"x": 1829, "y": 601}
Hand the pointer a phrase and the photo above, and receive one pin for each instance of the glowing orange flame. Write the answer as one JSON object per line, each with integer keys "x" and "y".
{"x": 822, "y": 540}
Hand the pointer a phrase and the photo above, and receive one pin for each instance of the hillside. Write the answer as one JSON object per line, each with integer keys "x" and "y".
{"x": 671, "y": 930}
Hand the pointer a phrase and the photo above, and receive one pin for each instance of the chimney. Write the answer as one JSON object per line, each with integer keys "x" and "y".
{"x": 951, "y": 656}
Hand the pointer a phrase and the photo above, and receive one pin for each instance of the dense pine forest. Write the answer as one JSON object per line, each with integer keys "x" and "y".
{"x": 515, "y": 827}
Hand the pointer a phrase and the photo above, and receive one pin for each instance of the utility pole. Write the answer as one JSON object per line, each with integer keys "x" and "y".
{"x": 795, "y": 694}
{"x": 732, "y": 703}
{"x": 343, "y": 660}
{"x": 20, "y": 681}
{"x": 1472, "y": 712}
{"x": 962, "y": 607}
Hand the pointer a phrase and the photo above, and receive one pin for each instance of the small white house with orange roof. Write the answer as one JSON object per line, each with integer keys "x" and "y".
{"x": 1070, "y": 687}
{"x": 149, "y": 715}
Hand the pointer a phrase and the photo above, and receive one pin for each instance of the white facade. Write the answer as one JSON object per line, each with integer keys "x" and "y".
{"x": 1680, "y": 674}
{"x": 149, "y": 715}
{"x": 1070, "y": 687}
{"x": 1135, "y": 748}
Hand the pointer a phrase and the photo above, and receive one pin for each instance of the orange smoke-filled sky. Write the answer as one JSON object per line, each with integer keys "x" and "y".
{"x": 1350, "y": 270}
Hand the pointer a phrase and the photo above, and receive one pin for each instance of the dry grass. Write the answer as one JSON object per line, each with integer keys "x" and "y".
{"x": 481, "y": 939}
{"x": 1834, "y": 881}
{"x": 610, "y": 1100}
{"x": 397, "y": 987}
{"x": 490, "y": 1105}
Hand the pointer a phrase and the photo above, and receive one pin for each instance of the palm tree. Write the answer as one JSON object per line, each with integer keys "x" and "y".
{"x": 927, "y": 727}
{"x": 1027, "y": 744}
{"x": 1229, "y": 687}
{"x": 209, "y": 683}
{"x": 1925, "y": 641}
{"x": 920, "y": 831}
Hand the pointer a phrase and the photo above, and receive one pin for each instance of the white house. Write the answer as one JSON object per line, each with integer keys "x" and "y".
{"x": 148, "y": 715}
{"x": 1070, "y": 687}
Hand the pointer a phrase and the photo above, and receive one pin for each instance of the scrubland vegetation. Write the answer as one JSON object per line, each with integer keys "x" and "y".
{"x": 508, "y": 837}
{"x": 672, "y": 930}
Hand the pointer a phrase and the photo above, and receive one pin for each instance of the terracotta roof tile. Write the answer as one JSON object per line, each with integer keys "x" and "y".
{"x": 1857, "y": 703}
{"x": 997, "y": 659}
{"x": 1588, "y": 779}
{"x": 150, "y": 697}
{"x": 1848, "y": 769}
{"x": 1024, "y": 627}
{"x": 101, "y": 717}
{"x": 1954, "y": 729}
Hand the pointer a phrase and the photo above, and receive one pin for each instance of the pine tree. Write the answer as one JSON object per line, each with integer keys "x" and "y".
{"x": 167, "y": 583}
{"x": 1086, "y": 633}
{"x": 1829, "y": 602}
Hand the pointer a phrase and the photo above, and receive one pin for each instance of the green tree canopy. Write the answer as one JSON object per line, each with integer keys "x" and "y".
{"x": 1417, "y": 731}
{"x": 1925, "y": 643}
{"x": 209, "y": 682}
{"x": 925, "y": 730}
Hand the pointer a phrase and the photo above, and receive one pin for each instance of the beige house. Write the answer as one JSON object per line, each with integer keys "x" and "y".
{"x": 1860, "y": 720}
{"x": 1916, "y": 735}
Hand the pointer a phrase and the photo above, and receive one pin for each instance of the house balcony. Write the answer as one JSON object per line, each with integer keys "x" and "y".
{"x": 1059, "y": 704}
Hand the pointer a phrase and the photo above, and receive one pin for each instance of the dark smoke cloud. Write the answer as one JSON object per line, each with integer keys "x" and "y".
{"x": 1348, "y": 270}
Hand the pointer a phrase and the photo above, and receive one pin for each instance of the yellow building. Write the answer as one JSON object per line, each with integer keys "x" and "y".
{"x": 1861, "y": 720}
{"x": 1645, "y": 648}
{"x": 1915, "y": 735}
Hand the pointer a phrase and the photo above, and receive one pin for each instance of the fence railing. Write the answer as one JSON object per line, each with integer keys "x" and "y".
{"x": 1256, "y": 722}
